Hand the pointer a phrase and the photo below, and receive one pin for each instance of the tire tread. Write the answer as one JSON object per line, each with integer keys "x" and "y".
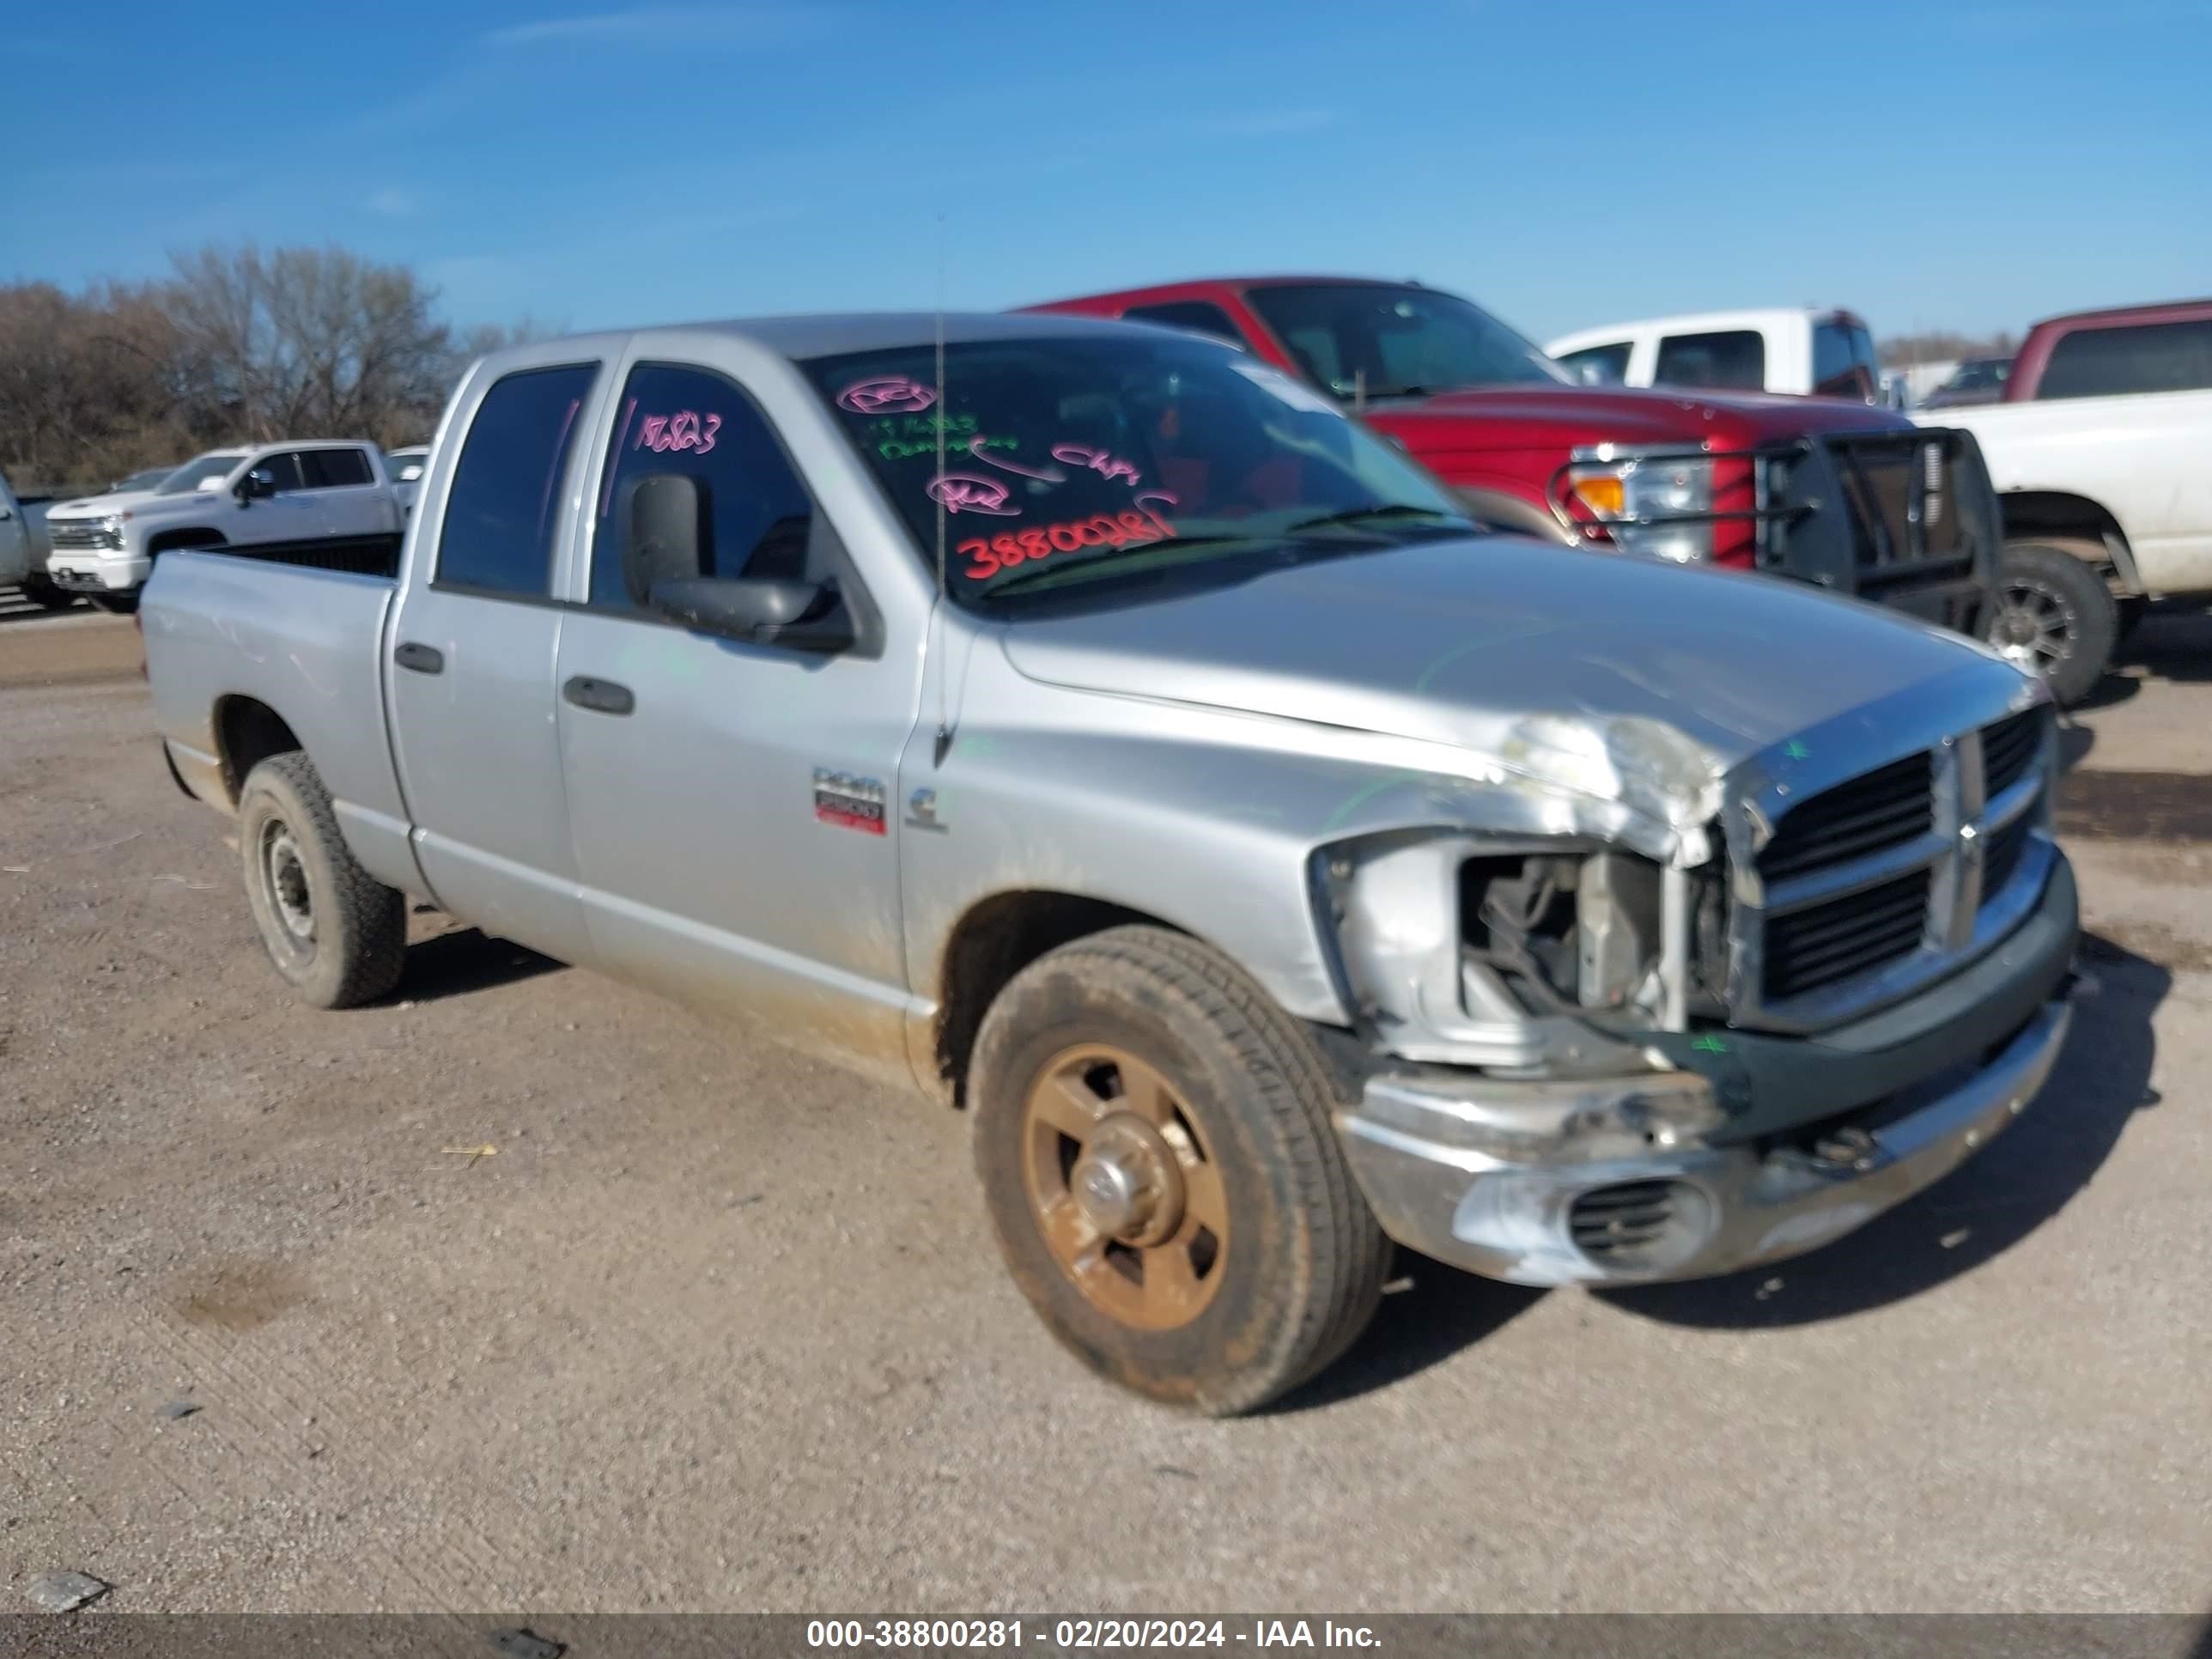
{"x": 374, "y": 915}
{"x": 1344, "y": 1256}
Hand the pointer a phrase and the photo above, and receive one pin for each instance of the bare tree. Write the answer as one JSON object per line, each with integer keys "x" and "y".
{"x": 87, "y": 388}
{"x": 234, "y": 345}
{"x": 307, "y": 342}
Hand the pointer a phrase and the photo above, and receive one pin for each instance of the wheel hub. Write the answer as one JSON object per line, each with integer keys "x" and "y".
{"x": 1123, "y": 1186}
{"x": 1126, "y": 1181}
{"x": 287, "y": 876}
{"x": 2032, "y": 627}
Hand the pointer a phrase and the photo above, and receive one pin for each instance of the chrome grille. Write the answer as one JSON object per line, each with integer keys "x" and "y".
{"x": 2008, "y": 750}
{"x": 1867, "y": 887}
{"x": 82, "y": 535}
{"x": 1848, "y": 936}
{"x": 1867, "y": 815}
{"x": 2001, "y": 856}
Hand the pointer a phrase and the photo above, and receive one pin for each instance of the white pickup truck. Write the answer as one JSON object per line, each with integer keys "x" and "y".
{"x": 2098, "y": 451}
{"x": 334, "y": 493}
{"x": 1803, "y": 350}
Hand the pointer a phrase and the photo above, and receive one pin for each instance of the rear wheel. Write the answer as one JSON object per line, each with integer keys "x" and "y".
{"x": 2055, "y": 618}
{"x": 1154, "y": 1141}
{"x": 116, "y": 604}
{"x": 337, "y": 933}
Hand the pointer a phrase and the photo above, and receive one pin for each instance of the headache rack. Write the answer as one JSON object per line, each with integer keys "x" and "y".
{"x": 1907, "y": 518}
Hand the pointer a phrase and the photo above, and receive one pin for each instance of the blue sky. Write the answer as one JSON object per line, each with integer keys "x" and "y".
{"x": 1936, "y": 164}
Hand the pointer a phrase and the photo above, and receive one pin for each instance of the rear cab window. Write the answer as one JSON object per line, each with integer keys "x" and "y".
{"x": 1730, "y": 359}
{"x": 503, "y": 510}
{"x": 335, "y": 469}
{"x": 2103, "y": 363}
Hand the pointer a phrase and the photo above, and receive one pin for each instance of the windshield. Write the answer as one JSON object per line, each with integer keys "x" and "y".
{"x": 1086, "y": 461}
{"x": 195, "y": 472}
{"x": 1380, "y": 340}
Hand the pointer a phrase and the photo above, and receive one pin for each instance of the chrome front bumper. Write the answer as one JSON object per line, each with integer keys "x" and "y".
{"x": 1488, "y": 1175}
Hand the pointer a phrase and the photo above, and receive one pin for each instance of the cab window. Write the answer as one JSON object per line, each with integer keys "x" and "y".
{"x": 759, "y": 521}
{"x": 504, "y": 507}
{"x": 2103, "y": 363}
{"x": 1733, "y": 359}
{"x": 1844, "y": 361}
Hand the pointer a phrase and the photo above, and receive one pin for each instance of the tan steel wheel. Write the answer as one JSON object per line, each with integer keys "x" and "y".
{"x": 1124, "y": 1187}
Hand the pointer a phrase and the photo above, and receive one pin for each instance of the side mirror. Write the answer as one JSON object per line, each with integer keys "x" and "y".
{"x": 410, "y": 472}
{"x": 664, "y": 555}
{"x": 800, "y": 615}
{"x": 665, "y": 534}
{"x": 257, "y": 485}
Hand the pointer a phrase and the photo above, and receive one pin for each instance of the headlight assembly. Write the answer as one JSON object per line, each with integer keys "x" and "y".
{"x": 1659, "y": 505}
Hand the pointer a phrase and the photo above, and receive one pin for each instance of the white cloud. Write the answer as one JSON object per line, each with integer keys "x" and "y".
{"x": 662, "y": 24}
{"x": 394, "y": 203}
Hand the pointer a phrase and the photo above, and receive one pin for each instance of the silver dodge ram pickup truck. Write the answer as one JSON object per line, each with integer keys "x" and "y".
{"x": 1090, "y": 726}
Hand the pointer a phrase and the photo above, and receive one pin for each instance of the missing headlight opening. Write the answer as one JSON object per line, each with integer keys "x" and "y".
{"x": 1517, "y": 915}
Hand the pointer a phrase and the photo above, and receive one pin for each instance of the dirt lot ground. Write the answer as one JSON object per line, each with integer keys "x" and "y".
{"x": 721, "y": 1328}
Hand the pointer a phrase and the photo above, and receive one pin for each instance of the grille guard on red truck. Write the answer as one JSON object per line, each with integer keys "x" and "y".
{"x": 1919, "y": 529}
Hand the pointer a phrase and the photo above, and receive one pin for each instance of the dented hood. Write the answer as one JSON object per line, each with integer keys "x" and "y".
{"x": 1520, "y": 652}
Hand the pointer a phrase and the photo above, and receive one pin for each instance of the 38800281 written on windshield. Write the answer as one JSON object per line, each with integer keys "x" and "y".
{"x": 1076, "y": 461}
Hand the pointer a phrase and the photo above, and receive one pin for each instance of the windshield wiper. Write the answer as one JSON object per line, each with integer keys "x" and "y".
{"x": 1352, "y": 517}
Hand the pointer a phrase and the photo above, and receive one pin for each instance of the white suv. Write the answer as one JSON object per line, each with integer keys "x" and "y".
{"x": 323, "y": 492}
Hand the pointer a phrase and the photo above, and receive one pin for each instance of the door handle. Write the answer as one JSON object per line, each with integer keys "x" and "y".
{"x": 605, "y": 696}
{"x": 423, "y": 658}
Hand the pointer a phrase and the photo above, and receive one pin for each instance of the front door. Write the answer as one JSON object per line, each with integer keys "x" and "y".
{"x": 731, "y": 803}
{"x": 293, "y": 514}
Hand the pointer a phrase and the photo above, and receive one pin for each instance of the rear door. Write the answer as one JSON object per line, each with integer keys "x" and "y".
{"x": 349, "y": 500}
{"x": 472, "y": 651}
{"x": 731, "y": 802}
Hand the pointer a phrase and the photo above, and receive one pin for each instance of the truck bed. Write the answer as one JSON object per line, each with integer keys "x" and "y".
{"x": 229, "y": 630}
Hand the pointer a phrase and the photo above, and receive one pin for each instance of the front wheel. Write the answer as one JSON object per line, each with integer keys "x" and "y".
{"x": 2055, "y": 618}
{"x": 337, "y": 933}
{"x": 1154, "y": 1140}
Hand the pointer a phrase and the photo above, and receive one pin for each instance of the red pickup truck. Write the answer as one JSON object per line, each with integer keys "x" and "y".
{"x": 1836, "y": 493}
